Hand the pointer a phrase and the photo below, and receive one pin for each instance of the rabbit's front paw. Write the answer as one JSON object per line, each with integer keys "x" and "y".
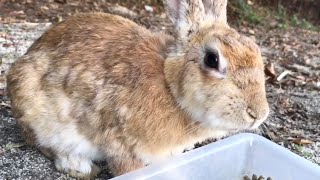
{"x": 77, "y": 167}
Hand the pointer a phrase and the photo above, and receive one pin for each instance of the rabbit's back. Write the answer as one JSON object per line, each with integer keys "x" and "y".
{"x": 86, "y": 52}
{"x": 95, "y": 44}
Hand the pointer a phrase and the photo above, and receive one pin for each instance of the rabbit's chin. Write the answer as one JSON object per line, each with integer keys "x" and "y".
{"x": 220, "y": 124}
{"x": 232, "y": 127}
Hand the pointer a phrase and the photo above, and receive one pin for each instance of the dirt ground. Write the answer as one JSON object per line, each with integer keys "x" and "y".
{"x": 292, "y": 58}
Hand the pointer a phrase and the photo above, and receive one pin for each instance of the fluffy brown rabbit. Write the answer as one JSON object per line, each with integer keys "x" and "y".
{"x": 100, "y": 87}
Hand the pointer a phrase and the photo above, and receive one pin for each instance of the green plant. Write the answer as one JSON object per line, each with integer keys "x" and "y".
{"x": 281, "y": 16}
{"x": 301, "y": 149}
{"x": 302, "y": 23}
{"x": 246, "y": 12}
{"x": 285, "y": 20}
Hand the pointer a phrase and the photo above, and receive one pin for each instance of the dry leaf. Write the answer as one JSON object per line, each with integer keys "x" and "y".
{"x": 302, "y": 141}
{"x": 13, "y": 145}
{"x": 269, "y": 70}
{"x": 282, "y": 75}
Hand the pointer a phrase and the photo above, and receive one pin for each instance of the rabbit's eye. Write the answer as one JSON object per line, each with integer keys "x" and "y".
{"x": 211, "y": 60}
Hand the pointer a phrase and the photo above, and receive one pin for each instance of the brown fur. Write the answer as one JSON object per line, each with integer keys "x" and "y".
{"x": 115, "y": 81}
{"x": 135, "y": 80}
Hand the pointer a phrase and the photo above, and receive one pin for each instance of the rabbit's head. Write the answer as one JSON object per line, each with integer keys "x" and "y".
{"x": 216, "y": 74}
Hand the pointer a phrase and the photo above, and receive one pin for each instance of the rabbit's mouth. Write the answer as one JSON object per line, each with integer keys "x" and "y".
{"x": 233, "y": 125}
{"x": 255, "y": 119}
{"x": 255, "y": 124}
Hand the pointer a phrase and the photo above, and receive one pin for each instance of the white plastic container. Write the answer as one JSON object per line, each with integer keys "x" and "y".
{"x": 231, "y": 159}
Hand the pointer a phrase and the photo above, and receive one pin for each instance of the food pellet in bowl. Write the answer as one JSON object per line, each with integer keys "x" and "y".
{"x": 255, "y": 177}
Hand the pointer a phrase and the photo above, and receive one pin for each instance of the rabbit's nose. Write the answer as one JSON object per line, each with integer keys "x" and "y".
{"x": 252, "y": 114}
{"x": 257, "y": 115}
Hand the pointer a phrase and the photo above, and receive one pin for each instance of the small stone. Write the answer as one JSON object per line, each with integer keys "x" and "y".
{"x": 253, "y": 37}
{"x": 254, "y": 177}
{"x": 148, "y": 8}
{"x": 251, "y": 32}
{"x": 121, "y": 10}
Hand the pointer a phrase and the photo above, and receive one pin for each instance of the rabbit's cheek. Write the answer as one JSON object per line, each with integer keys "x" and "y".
{"x": 194, "y": 108}
{"x": 214, "y": 120}
{"x": 226, "y": 112}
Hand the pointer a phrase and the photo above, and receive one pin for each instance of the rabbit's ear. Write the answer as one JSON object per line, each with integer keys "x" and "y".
{"x": 191, "y": 15}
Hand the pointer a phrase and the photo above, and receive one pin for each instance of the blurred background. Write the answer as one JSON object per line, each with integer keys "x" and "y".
{"x": 271, "y": 14}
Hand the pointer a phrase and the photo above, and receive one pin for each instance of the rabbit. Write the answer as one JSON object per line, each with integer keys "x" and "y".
{"x": 99, "y": 87}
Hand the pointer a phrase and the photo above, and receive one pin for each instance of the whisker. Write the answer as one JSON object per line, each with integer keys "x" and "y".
{"x": 196, "y": 127}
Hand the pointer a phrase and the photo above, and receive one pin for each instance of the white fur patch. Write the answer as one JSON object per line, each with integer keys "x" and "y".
{"x": 123, "y": 111}
{"x": 82, "y": 165}
{"x": 65, "y": 108}
{"x": 99, "y": 82}
{"x": 64, "y": 138}
{"x": 196, "y": 110}
{"x": 61, "y": 135}
{"x": 213, "y": 120}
